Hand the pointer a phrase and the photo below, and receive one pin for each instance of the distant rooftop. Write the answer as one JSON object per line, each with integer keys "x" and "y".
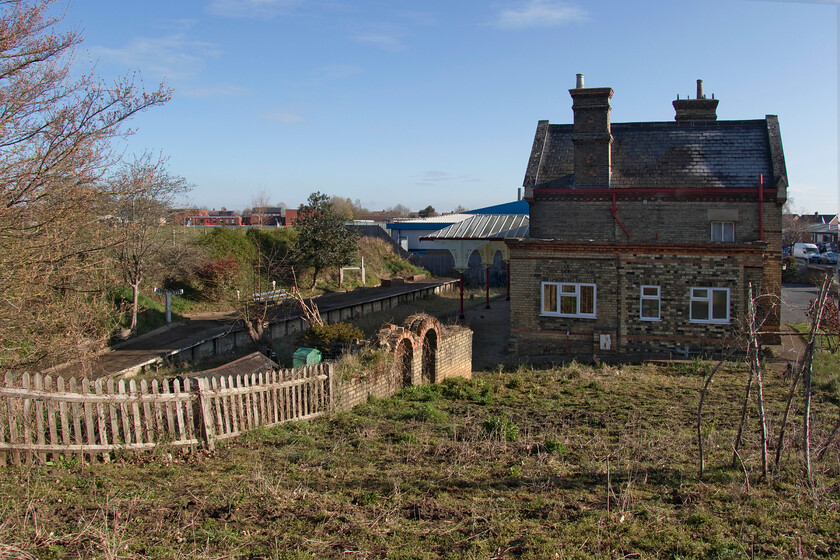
{"x": 515, "y": 207}
{"x": 485, "y": 226}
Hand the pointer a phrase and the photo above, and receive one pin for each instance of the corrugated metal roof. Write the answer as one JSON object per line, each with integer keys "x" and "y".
{"x": 247, "y": 365}
{"x": 485, "y": 226}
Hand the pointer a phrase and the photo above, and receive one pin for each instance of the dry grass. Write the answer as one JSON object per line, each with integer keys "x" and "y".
{"x": 601, "y": 464}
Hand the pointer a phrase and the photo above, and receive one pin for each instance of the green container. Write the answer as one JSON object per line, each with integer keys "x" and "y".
{"x": 306, "y": 357}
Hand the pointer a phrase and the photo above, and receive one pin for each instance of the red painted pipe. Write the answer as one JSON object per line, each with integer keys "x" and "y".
{"x": 487, "y": 287}
{"x": 461, "y": 316}
{"x": 614, "y": 210}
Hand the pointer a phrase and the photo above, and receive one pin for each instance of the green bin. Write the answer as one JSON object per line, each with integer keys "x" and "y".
{"x": 306, "y": 357}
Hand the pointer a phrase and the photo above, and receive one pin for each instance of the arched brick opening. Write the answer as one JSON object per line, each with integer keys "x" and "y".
{"x": 429, "y": 356}
{"x": 405, "y": 356}
{"x": 428, "y": 331}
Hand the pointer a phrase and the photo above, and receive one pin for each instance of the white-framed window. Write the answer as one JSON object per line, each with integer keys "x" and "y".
{"x": 709, "y": 305}
{"x": 649, "y": 303}
{"x": 723, "y": 232}
{"x": 563, "y": 299}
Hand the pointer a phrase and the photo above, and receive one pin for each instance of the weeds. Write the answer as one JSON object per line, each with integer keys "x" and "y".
{"x": 500, "y": 428}
{"x": 567, "y": 462}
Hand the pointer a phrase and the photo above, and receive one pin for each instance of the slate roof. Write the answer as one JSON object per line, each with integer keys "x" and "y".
{"x": 816, "y": 218}
{"x": 693, "y": 154}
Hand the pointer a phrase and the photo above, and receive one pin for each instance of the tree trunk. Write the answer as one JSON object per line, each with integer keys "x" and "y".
{"x": 135, "y": 306}
{"x": 743, "y": 421}
{"x": 314, "y": 278}
{"x": 755, "y": 365}
{"x": 700, "y": 411}
{"x": 807, "y": 370}
{"x": 780, "y": 444}
{"x": 806, "y": 419}
{"x": 828, "y": 441}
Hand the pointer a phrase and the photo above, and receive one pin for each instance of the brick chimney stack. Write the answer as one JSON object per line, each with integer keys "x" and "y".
{"x": 700, "y": 109}
{"x": 591, "y": 135}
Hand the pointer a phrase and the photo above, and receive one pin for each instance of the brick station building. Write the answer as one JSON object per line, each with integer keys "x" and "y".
{"x": 645, "y": 236}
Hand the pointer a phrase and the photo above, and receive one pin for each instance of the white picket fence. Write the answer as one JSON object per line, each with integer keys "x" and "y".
{"x": 42, "y": 418}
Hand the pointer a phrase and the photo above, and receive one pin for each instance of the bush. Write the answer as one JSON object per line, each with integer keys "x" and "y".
{"x": 791, "y": 270}
{"x": 367, "y": 363}
{"x": 500, "y": 428}
{"x": 331, "y": 339}
{"x": 425, "y": 412}
{"x": 551, "y": 446}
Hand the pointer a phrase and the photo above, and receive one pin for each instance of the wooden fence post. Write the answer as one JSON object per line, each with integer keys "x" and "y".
{"x": 206, "y": 416}
{"x": 330, "y": 388}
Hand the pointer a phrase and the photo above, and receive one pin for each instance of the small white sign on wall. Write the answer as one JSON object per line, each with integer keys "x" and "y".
{"x": 606, "y": 342}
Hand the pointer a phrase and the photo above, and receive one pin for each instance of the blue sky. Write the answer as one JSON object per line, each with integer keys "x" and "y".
{"x": 436, "y": 102}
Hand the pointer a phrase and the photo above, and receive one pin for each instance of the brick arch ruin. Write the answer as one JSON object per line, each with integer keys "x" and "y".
{"x": 415, "y": 347}
{"x": 428, "y": 331}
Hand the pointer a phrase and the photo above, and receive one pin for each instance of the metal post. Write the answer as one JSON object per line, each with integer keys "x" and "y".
{"x": 169, "y": 294}
{"x": 461, "y": 316}
{"x": 168, "y": 307}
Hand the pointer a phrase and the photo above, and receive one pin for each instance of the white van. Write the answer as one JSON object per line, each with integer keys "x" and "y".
{"x": 807, "y": 252}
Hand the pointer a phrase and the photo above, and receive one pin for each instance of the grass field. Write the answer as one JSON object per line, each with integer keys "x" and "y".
{"x": 571, "y": 462}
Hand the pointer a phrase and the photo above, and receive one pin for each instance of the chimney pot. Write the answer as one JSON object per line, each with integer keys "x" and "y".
{"x": 579, "y": 81}
{"x": 698, "y": 109}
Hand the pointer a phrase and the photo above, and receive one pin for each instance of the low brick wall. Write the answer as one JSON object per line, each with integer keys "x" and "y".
{"x": 455, "y": 354}
{"x": 355, "y": 391}
{"x": 452, "y": 358}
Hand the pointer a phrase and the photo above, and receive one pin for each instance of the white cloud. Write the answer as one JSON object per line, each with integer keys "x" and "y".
{"x": 540, "y": 13}
{"x": 283, "y": 116}
{"x": 172, "y": 57}
{"x": 250, "y": 8}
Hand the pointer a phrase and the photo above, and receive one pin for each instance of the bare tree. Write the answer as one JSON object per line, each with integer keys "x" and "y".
{"x": 257, "y": 300}
{"x": 144, "y": 191}
{"x": 700, "y": 409}
{"x": 752, "y": 330}
{"x": 259, "y": 207}
{"x": 55, "y": 133}
{"x": 400, "y": 210}
{"x": 754, "y": 352}
{"x": 807, "y": 370}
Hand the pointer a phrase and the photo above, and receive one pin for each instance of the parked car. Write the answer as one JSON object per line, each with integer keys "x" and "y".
{"x": 829, "y": 257}
{"x": 807, "y": 252}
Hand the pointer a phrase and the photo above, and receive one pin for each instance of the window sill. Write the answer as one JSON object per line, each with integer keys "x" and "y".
{"x": 568, "y": 316}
